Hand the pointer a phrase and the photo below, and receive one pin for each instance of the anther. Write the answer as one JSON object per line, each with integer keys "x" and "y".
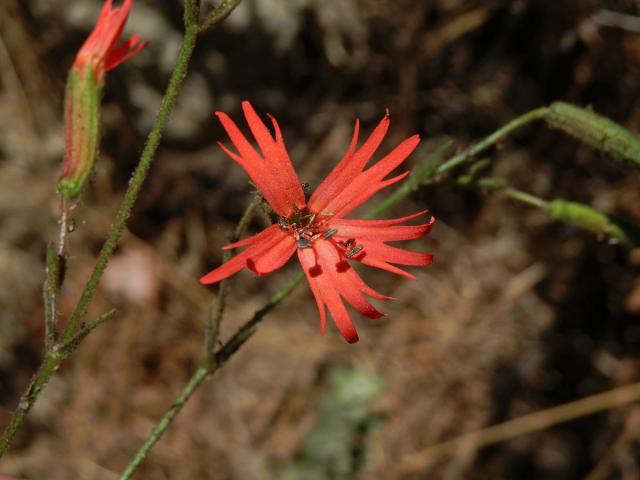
{"x": 303, "y": 243}
{"x": 330, "y": 233}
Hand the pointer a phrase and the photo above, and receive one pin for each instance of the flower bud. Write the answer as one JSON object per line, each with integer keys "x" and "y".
{"x": 82, "y": 132}
{"x": 97, "y": 56}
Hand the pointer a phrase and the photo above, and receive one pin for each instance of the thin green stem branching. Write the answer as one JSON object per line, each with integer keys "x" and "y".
{"x": 49, "y": 298}
{"x": 196, "y": 380}
{"x": 54, "y": 357}
{"x": 216, "y": 310}
{"x": 571, "y": 213}
{"x": 416, "y": 180}
{"x": 200, "y": 375}
{"x": 218, "y": 14}
{"x": 137, "y": 179}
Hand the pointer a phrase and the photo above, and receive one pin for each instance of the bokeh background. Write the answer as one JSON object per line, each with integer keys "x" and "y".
{"x": 517, "y": 313}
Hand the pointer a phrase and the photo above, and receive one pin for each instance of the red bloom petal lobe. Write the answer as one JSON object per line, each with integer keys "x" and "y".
{"x": 259, "y": 256}
{"x": 275, "y": 152}
{"x": 326, "y": 293}
{"x": 331, "y": 280}
{"x": 372, "y": 235}
{"x": 99, "y": 51}
{"x": 349, "y": 167}
{"x": 125, "y": 51}
{"x": 273, "y": 175}
{"x": 369, "y": 182}
{"x": 274, "y": 258}
{"x": 345, "y": 280}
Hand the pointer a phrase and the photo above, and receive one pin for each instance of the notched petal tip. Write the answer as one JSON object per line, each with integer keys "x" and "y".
{"x": 353, "y": 339}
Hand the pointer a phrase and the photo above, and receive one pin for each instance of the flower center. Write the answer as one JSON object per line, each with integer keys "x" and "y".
{"x": 305, "y": 225}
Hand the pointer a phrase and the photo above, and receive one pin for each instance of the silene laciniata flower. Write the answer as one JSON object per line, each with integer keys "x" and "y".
{"x": 98, "y": 55}
{"x": 316, "y": 229}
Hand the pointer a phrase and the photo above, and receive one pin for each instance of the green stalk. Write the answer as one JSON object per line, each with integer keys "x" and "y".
{"x": 196, "y": 380}
{"x": 220, "y": 358}
{"x": 221, "y": 12}
{"x": 571, "y": 213}
{"x": 53, "y": 359}
{"x": 49, "y": 365}
{"x": 49, "y": 294}
{"x": 216, "y": 311}
{"x": 416, "y": 180}
{"x": 584, "y": 125}
{"x": 137, "y": 179}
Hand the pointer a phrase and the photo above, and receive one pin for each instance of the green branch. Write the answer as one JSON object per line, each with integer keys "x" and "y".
{"x": 54, "y": 358}
{"x": 218, "y": 14}
{"x": 216, "y": 310}
{"x": 196, "y": 380}
{"x": 137, "y": 179}
{"x": 571, "y": 213}
{"x": 49, "y": 295}
{"x": 219, "y": 359}
{"x": 584, "y": 125}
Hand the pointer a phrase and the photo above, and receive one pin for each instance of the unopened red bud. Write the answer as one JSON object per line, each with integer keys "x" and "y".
{"x": 98, "y": 55}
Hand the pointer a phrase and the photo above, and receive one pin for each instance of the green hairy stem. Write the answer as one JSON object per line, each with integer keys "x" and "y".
{"x": 54, "y": 357}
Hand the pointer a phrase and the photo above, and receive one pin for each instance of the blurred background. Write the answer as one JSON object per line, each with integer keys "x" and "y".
{"x": 517, "y": 313}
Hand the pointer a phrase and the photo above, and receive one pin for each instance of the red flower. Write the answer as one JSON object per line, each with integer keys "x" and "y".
{"x": 99, "y": 50}
{"x": 316, "y": 228}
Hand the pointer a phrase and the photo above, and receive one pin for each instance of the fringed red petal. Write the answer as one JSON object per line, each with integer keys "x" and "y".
{"x": 262, "y": 245}
{"x": 372, "y": 180}
{"x": 274, "y": 258}
{"x": 332, "y": 279}
{"x": 326, "y": 293}
{"x": 274, "y": 151}
{"x": 99, "y": 49}
{"x": 382, "y": 230}
{"x": 273, "y": 175}
{"x": 351, "y": 165}
{"x": 344, "y": 278}
{"x": 371, "y": 235}
{"x": 125, "y": 51}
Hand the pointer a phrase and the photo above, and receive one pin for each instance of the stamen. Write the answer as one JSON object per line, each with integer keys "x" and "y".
{"x": 329, "y": 233}
{"x": 282, "y": 222}
{"x": 354, "y": 250}
{"x": 305, "y": 226}
{"x": 310, "y": 219}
